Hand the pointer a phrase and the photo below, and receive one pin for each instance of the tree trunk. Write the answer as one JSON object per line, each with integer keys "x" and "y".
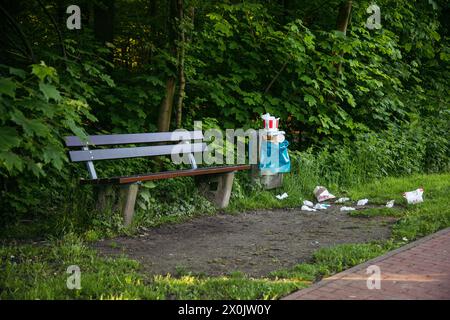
{"x": 344, "y": 16}
{"x": 181, "y": 54}
{"x": 104, "y": 20}
{"x": 342, "y": 23}
{"x": 165, "y": 110}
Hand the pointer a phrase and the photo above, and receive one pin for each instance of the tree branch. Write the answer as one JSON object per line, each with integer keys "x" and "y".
{"x": 276, "y": 77}
{"x": 55, "y": 25}
{"x": 22, "y": 35}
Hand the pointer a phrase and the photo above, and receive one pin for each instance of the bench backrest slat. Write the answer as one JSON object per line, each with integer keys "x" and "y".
{"x": 120, "y": 153}
{"x": 134, "y": 138}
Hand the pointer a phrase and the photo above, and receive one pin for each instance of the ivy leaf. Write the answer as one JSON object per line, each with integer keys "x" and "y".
{"x": 8, "y": 87}
{"x": 50, "y": 91}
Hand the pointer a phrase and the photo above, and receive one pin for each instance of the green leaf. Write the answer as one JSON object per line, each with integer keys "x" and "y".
{"x": 351, "y": 101}
{"x": 109, "y": 81}
{"x": 31, "y": 127}
{"x": 148, "y": 185}
{"x": 50, "y": 91}
{"x": 42, "y": 71}
{"x": 310, "y": 99}
{"x": 8, "y": 87}
{"x": 54, "y": 156}
{"x": 17, "y": 72}
{"x": 79, "y": 132}
{"x": 11, "y": 161}
{"x": 306, "y": 79}
{"x": 8, "y": 138}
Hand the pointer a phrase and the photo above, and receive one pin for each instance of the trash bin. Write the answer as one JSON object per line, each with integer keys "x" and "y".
{"x": 274, "y": 158}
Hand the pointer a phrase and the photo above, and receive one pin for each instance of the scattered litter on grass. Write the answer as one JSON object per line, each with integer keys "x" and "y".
{"x": 390, "y": 204}
{"x": 306, "y": 208}
{"x": 282, "y": 196}
{"x": 308, "y": 203}
{"x": 342, "y": 200}
{"x": 347, "y": 209}
{"x": 321, "y": 206}
{"x": 362, "y": 202}
{"x": 413, "y": 197}
{"x": 322, "y": 194}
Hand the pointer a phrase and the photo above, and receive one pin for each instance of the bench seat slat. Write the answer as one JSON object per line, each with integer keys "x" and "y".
{"x": 122, "y": 153}
{"x": 166, "y": 175}
{"x": 116, "y": 139}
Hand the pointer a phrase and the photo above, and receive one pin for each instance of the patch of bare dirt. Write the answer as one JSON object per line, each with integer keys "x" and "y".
{"x": 254, "y": 243}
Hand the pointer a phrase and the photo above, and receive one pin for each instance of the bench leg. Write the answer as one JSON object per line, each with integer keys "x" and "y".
{"x": 105, "y": 198}
{"x": 220, "y": 196}
{"x": 223, "y": 191}
{"x": 128, "y": 194}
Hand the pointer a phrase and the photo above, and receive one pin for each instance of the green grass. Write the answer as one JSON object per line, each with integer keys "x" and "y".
{"x": 377, "y": 212}
{"x": 417, "y": 220}
{"x": 39, "y": 271}
{"x": 327, "y": 261}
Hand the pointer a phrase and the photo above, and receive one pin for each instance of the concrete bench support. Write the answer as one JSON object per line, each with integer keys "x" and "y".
{"x": 217, "y": 188}
{"x": 127, "y": 200}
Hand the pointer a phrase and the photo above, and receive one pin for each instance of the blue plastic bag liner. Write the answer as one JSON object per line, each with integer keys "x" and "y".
{"x": 274, "y": 158}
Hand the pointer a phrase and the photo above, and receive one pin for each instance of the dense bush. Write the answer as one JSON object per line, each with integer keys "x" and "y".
{"x": 355, "y": 106}
{"x": 400, "y": 150}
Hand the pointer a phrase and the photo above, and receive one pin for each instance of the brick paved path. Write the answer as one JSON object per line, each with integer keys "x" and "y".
{"x": 419, "y": 270}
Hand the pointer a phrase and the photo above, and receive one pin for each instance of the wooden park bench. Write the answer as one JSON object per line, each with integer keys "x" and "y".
{"x": 164, "y": 143}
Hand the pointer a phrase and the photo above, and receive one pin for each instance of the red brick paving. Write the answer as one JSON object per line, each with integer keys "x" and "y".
{"x": 419, "y": 270}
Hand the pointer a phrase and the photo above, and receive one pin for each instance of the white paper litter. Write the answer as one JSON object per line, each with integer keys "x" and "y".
{"x": 390, "y": 204}
{"x": 347, "y": 209}
{"x": 308, "y": 203}
{"x": 362, "y": 202}
{"x": 321, "y": 206}
{"x": 322, "y": 194}
{"x": 306, "y": 208}
{"x": 342, "y": 200}
{"x": 282, "y": 196}
{"x": 413, "y": 197}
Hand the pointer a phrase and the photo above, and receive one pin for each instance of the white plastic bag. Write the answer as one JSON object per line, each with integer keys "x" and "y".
{"x": 390, "y": 204}
{"x": 413, "y": 197}
{"x": 306, "y": 208}
{"x": 322, "y": 194}
{"x": 308, "y": 203}
{"x": 342, "y": 200}
{"x": 282, "y": 196}
{"x": 347, "y": 209}
{"x": 362, "y": 202}
{"x": 321, "y": 206}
